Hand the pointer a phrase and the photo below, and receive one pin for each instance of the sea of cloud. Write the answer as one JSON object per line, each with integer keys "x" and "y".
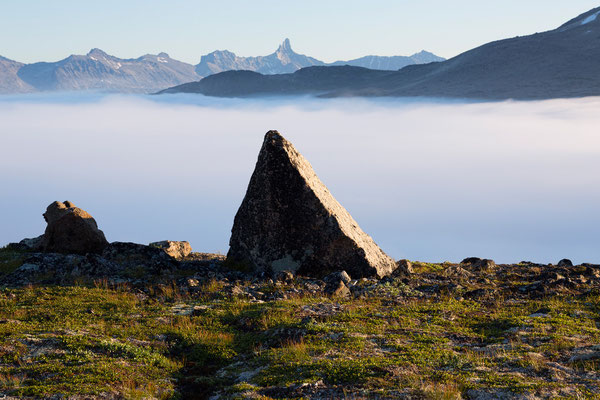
{"x": 428, "y": 180}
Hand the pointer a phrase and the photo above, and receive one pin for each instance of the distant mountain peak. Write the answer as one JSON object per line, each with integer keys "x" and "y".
{"x": 162, "y": 54}
{"x": 285, "y": 47}
{"x": 96, "y": 52}
{"x": 219, "y": 53}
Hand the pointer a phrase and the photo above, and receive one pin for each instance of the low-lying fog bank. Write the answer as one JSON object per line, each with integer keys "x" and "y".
{"x": 428, "y": 180}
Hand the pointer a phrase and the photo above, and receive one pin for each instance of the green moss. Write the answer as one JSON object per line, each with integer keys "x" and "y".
{"x": 422, "y": 267}
{"x": 94, "y": 340}
{"x": 10, "y": 260}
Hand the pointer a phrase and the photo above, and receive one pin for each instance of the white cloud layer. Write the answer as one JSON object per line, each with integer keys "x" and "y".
{"x": 428, "y": 180}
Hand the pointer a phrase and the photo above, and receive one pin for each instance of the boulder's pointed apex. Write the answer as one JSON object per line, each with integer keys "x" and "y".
{"x": 289, "y": 220}
{"x": 273, "y": 134}
{"x": 274, "y": 138}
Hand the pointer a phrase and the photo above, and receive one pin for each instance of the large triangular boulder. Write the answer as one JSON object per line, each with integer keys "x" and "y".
{"x": 289, "y": 220}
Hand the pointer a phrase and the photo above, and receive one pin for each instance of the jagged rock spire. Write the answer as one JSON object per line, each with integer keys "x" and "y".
{"x": 285, "y": 46}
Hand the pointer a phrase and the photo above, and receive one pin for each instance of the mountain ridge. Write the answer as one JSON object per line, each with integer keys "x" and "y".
{"x": 392, "y": 62}
{"x": 283, "y": 60}
{"x": 98, "y": 70}
{"x": 563, "y": 62}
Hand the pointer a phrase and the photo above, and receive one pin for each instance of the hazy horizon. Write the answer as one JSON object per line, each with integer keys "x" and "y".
{"x": 428, "y": 180}
{"x": 339, "y": 31}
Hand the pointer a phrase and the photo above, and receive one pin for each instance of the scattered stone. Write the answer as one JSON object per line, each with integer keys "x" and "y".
{"x": 71, "y": 230}
{"x": 285, "y": 276}
{"x": 404, "y": 268}
{"x": 237, "y": 291}
{"x": 321, "y": 311}
{"x": 205, "y": 257}
{"x": 336, "y": 284}
{"x": 585, "y": 354}
{"x": 32, "y": 244}
{"x": 338, "y": 290}
{"x": 182, "y": 309}
{"x": 335, "y": 277}
{"x": 177, "y": 250}
{"x": 592, "y": 272}
{"x": 246, "y": 376}
{"x": 191, "y": 282}
{"x": 200, "y": 310}
{"x": 478, "y": 294}
{"x": 456, "y": 271}
{"x": 565, "y": 262}
{"x": 289, "y": 220}
{"x": 538, "y": 315}
{"x": 530, "y": 263}
{"x": 479, "y": 264}
{"x": 551, "y": 276}
{"x": 29, "y": 267}
{"x": 132, "y": 254}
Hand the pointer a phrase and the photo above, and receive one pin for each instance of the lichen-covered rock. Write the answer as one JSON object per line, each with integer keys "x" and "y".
{"x": 176, "y": 250}
{"x": 152, "y": 259}
{"x": 585, "y": 354}
{"x": 338, "y": 290}
{"x": 31, "y": 243}
{"x": 289, "y": 220}
{"x": 71, "y": 230}
{"x": 479, "y": 264}
{"x": 335, "y": 277}
{"x": 120, "y": 262}
{"x": 404, "y": 268}
{"x": 285, "y": 276}
{"x": 336, "y": 284}
{"x": 565, "y": 262}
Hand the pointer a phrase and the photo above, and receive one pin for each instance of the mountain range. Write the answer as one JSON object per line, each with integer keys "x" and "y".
{"x": 150, "y": 73}
{"x": 285, "y": 60}
{"x": 564, "y": 62}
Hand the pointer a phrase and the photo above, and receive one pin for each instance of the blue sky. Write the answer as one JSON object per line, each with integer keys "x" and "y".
{"x": 35, "y": 30}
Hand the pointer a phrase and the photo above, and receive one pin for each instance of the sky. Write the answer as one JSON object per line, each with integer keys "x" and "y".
{"x": 330, "y": 30}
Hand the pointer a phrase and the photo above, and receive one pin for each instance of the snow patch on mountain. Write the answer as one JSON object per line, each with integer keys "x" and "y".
{"x": 591, "y": 18}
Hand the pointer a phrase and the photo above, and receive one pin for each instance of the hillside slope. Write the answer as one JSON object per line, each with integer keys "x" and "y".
{"x": 564, "y": 62}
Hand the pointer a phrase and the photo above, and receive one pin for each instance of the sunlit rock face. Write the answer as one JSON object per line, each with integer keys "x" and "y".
{"x": 175, "y": 249}
{"x": 289, "y": 220}
{"x": 71, "y": 230}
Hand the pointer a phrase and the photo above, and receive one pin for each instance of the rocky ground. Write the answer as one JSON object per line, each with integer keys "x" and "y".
{"x": 133, "y": 322}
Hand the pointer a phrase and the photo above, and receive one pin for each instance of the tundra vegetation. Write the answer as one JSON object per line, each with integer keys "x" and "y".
{"x": 443, "y": 331}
